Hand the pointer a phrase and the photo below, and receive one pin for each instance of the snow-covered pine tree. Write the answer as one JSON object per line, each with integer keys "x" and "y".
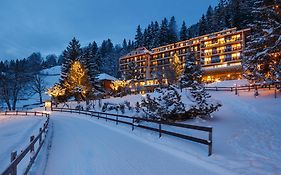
{"x": 183, "y": 32}
{"x": 262, "y": 54}
{"x": 191, "y": 78}
{"x": 155, "y": 35}
{"x": 204, "y": 106}
{"x": 192, "y": 73}
{"x": 166, "y": 105}
{"x": 71, "y": 54}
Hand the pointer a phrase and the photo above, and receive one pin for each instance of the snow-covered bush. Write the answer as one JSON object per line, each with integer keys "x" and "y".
{"x": 166, "y": 102}
{"x": 204, "y": 105}
{"x": 172, "y": 104}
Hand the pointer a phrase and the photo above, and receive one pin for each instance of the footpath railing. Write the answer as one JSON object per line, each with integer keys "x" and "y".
{"x": 16, "y": 159}
{"x": 140, "y": 123}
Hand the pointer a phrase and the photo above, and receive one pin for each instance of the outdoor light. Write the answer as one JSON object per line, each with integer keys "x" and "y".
{"x": 48, "y": 104}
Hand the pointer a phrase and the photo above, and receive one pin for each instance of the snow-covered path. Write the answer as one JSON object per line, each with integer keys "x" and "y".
{"x": 82, "y": 146}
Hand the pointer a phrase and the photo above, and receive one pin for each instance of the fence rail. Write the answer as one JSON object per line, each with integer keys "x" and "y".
{"x": 137, "y": 122}
{"x": 244, "y": 87}
{"x": 16, "y": 159}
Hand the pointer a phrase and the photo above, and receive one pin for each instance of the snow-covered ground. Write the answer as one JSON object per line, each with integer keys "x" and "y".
{"x": 82, "y": 145}
{"x": 15, "y": 132}
{"x": 246, "y": 138}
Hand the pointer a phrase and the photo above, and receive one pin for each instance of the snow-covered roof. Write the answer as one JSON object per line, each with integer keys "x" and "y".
{"x": 105, "y": 76}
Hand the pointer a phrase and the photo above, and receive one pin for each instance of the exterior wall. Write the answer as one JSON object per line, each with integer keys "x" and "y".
{"x": 219, "y": 53}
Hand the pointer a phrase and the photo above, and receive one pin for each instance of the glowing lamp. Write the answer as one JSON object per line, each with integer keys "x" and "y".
{"x": 48, "y": 104}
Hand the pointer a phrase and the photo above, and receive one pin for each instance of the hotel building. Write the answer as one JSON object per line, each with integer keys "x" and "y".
{"x": 219, "y": 53}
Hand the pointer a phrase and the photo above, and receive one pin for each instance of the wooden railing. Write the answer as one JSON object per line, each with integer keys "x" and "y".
{"x": 16, "y": 159}
{"x": 140, "y": 123}
{"x": 235, "y": 89}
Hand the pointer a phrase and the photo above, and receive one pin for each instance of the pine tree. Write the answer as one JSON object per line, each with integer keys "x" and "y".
{"x": 209, "y": 19}
{"x": 139, "y": 37}
{"x": 77, "y": 82}
{"x": 175, "y": 70}
{"x": 164, "y": 33}
{"x": 155, "y": 34}
{"x": 202, "y": 26}
{"x": 71, "y": 54}
{"x": 172, "y": 31}
{"x": 90, "y": 64}
{"x": 262, "y": 55}
{"x": 183, "y": 32}
{"x": 192, "y": 72}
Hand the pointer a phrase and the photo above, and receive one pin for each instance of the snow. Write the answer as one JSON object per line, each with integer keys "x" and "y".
{"x": 105, "y": 76}
{"x": 229, "y": 83}
{"x": 246, "y": 140}
{"x": 15, "y": 132}
{"x": 86, "y": 146}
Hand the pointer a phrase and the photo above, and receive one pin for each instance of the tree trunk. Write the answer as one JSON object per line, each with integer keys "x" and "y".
{"x": 40, "y": 97}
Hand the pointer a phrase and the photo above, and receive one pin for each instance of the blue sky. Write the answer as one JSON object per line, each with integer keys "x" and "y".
{"x": 47, "y": 26}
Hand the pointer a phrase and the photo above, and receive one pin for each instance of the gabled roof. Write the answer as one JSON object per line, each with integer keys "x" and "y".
{"x": 105, "y": 76}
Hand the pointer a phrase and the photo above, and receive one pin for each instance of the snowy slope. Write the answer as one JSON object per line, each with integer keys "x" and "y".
{"x": 51, "y": 76}
{"x": 246, "y": 139}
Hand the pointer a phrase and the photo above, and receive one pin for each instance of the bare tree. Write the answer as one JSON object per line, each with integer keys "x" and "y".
{"x": 38, "y": 85}
{"x": 14, "y": 83}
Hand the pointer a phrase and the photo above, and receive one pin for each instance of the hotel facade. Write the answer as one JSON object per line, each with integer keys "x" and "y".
{"x": 219, "y": 53}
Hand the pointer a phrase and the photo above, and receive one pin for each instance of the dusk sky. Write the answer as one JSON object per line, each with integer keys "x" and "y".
{"x": 47, "y": 26}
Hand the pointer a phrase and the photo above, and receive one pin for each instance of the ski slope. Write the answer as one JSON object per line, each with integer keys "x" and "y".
{"x": 85, "y": 146}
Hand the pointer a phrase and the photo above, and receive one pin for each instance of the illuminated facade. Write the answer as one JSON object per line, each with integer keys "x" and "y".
{"x": 219, "y": 53}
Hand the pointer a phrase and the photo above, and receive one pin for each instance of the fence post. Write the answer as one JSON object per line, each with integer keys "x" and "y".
{"x": 40, "y": 136}
{"x": 35, "y": 113}
{"x": 98, "y": 115}
{"x": 116, "y": 120}
{"x": 275, "y": 92}
{"x": 210, "y": 142}
{"x": 216, "y": 88}
{"x": 236, "y": 90}
{"x": 13, "y": 157}
{"x": 16, "y": 112}
{"x": 106, "y": 117}
{"x": 32, "y": 146}
{"x": 160, "y": 132}
{"x": 133, "y": 121}
{"x": 25, "y": 112}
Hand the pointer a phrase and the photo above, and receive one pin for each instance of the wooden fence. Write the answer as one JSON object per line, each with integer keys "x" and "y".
{"x": 137, "y": 122}
{"x": 256, "y": 87}
{"x": 16, "y": 159}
